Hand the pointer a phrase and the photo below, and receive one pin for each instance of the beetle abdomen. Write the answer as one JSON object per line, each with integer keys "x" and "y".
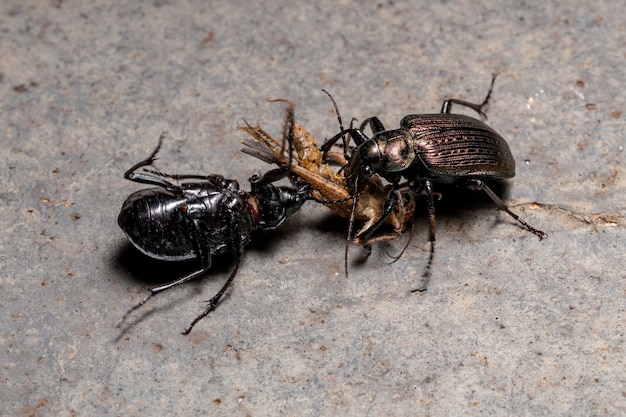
{"x": 453, "y": 145}
{"x": 153, "y": 220}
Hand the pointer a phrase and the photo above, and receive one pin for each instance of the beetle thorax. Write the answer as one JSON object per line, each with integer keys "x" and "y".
{"x": 398, "y": 155}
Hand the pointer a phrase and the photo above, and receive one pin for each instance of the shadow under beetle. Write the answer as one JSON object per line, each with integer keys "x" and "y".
{"x": 201, "y": 216}
{"x": 428, "y": 149}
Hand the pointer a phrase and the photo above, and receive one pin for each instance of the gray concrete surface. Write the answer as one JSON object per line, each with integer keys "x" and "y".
{"x": 509, "y": 325}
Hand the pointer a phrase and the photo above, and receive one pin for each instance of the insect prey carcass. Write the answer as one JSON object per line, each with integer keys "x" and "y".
{"x": 299, "y": 152}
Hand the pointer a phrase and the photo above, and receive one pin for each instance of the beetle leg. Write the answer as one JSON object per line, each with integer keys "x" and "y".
{"x": 237, "y": 250}
{"x": 447, "y": 105}
{"x": 205, "y": 260}
{"x": 326, "y": 146}
{"x": 330, "y": 142}
{"x": 268, "y": 178}
{"x": 408, "y": 242}
{"x": 212, "y": 303}
{"x": 158, "y": 178}
{"x": 153, "y": 178}
{"x": 213, "y": 178}
{"x": 430, "y": 204}
{"x": 358, "y": 136}
{"x": 480, "y": 184}
{"x": 374, "y": 123}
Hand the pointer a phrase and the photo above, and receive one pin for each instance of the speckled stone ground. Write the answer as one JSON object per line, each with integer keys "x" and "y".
{"x": 509, "y": 325}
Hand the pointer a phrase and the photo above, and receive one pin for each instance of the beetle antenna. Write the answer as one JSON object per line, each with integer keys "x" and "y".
{"x": 355, "y": 201}
{"x": 343, "y": 132}
{"x": 408, "y": 242}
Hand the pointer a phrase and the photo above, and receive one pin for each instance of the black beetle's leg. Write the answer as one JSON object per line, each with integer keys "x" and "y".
{"x": 480, "y": 184}
{"x": 212, "y": 178}
{"x": 478, "y": 108}
{"x": 149, "y": 160}
{"x": 205, "y": 261}
{"x": 268, "y": 178}
{"x": 212, "y": 303}
{"x": 237, "y": 250}
{"x": 430, "y": 201}
{"x": 334, "y": 160}
{"x": 154, "y": 291}
{"x": 356, "y": 134}
{"x": 153, "y": 178}
{"x": 375, "y": 124}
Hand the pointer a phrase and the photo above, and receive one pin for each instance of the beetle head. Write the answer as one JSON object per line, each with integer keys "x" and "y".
{"x": 365, "y": 161}
{"x": 278, "y": 203}
{"x": 386, "y": 154}
{"x": 292, "y": 198}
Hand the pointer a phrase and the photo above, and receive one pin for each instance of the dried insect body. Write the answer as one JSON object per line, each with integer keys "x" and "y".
{"x": 298, "y": 152}
{"x": 193, "y": 217}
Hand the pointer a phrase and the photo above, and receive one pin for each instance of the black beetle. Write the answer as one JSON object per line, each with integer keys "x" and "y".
{"x": 427, "y": 149}
{"x": 201, "y": 216}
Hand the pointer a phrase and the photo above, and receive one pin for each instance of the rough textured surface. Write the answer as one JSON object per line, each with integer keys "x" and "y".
{"x": 509, "y": 325}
